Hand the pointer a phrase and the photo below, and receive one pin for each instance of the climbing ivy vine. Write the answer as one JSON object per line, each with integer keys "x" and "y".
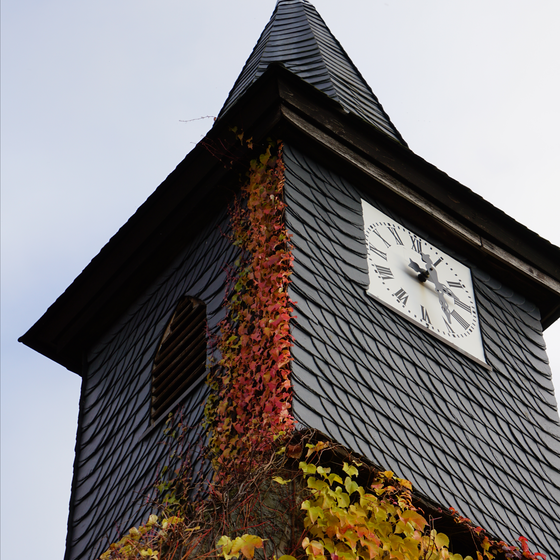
{"x": 251, "y": 392}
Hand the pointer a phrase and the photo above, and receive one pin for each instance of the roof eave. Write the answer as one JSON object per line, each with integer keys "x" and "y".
{"x": 282, "y": 105}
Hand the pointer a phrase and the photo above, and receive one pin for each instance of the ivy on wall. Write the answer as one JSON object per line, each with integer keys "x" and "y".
{"x": 251, "y": 392}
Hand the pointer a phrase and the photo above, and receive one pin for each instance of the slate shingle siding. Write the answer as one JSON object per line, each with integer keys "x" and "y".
{"x": 116, "y": 462}
{"x": 484, "y": 442}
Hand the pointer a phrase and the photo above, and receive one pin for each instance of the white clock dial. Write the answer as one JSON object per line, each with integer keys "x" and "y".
{"x": 421, "y": 282}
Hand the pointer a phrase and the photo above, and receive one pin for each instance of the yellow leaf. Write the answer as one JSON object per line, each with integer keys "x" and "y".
{"x": 316, "y": 548}
{"x": 350, "y": 470}
{"x": 307, "y": 469}
{"x": 280, "y": 480}
{"x": 333, "y": 477}
{"x": 314, "y": 513}
{"x": 249, "y": 543}
{"x": 314, "y": 448}
{"x": 350, "y": 485}
{"x": 442, "y": 540}
{"x": 406, "y": 483}
{"x": 414, "y": 518}
{"x": 226, "y": 544}
{"x": 342, "y": 498}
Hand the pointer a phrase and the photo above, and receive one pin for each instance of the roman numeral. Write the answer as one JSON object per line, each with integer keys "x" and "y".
{"x": 425, "y": 316}
{"x": 402, "y": 296}
{"x": 459, "y": 319}
{"x": 379, "y": 253}
{"x": 438, "y": 261}
{"x": 384, "y": 272}
{"x": 380, "y": 237}
{"x": 395, "y": 235}
{"x": 462, "y": 305}
{"x": 416, "y": 244}
{"x": 455, "y": 284}
{"x": 449, "y": 327}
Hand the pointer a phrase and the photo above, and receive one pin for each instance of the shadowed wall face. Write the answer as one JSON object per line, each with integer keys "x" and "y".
{"x": 471, "y": 438}
{"x": 118, "y": 457}
{"x": 479, "y": 440}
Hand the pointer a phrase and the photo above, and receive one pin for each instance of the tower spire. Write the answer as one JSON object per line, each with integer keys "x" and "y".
{"x": 297, "y": 37}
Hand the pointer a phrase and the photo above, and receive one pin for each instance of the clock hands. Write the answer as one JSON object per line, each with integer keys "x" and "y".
{"x": 430, "y": 273}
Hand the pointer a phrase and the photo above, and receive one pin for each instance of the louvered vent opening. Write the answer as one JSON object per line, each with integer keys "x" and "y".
{"x": 181, "y": 356}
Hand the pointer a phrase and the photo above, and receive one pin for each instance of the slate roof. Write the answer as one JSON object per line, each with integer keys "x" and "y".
{"x": 297, "y": 37}
{"x": 486, "y": 442}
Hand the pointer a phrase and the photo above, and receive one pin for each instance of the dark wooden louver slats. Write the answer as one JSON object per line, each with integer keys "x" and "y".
{"x": 181, "y": 356}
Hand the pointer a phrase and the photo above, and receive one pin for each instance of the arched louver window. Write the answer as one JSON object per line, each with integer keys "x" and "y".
{"x": 181, "y": 356}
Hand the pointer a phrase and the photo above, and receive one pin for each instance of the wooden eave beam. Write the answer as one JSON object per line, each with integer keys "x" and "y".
{"x": 391, "y": 172}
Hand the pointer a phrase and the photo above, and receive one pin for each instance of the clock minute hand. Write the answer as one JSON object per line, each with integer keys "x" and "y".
{"x": 440, "y": 288}
{"x": 433, "y": 276}
{"x": 444, "y": 305}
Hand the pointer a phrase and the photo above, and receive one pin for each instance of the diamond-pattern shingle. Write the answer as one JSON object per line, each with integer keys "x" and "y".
{"x": 117, "y": 457}
{"x": 484, "y": 441}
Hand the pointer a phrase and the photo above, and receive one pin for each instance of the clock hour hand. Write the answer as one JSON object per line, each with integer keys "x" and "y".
{"x": 423, "y": 274}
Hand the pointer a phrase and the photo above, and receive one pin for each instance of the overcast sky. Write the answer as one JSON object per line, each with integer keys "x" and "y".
{"x": 94, "y": 95}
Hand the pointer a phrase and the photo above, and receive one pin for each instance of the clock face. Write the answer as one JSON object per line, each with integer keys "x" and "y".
{"x": 421, "y": 282}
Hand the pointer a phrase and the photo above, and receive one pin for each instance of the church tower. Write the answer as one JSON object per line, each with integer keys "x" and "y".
{"x": 417, "y": 323}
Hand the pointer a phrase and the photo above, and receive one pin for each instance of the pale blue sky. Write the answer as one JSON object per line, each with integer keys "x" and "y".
{"x": 93, "y": 99}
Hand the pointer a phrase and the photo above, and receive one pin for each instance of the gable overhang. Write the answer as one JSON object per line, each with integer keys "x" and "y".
{"x": 282, "y": 106}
